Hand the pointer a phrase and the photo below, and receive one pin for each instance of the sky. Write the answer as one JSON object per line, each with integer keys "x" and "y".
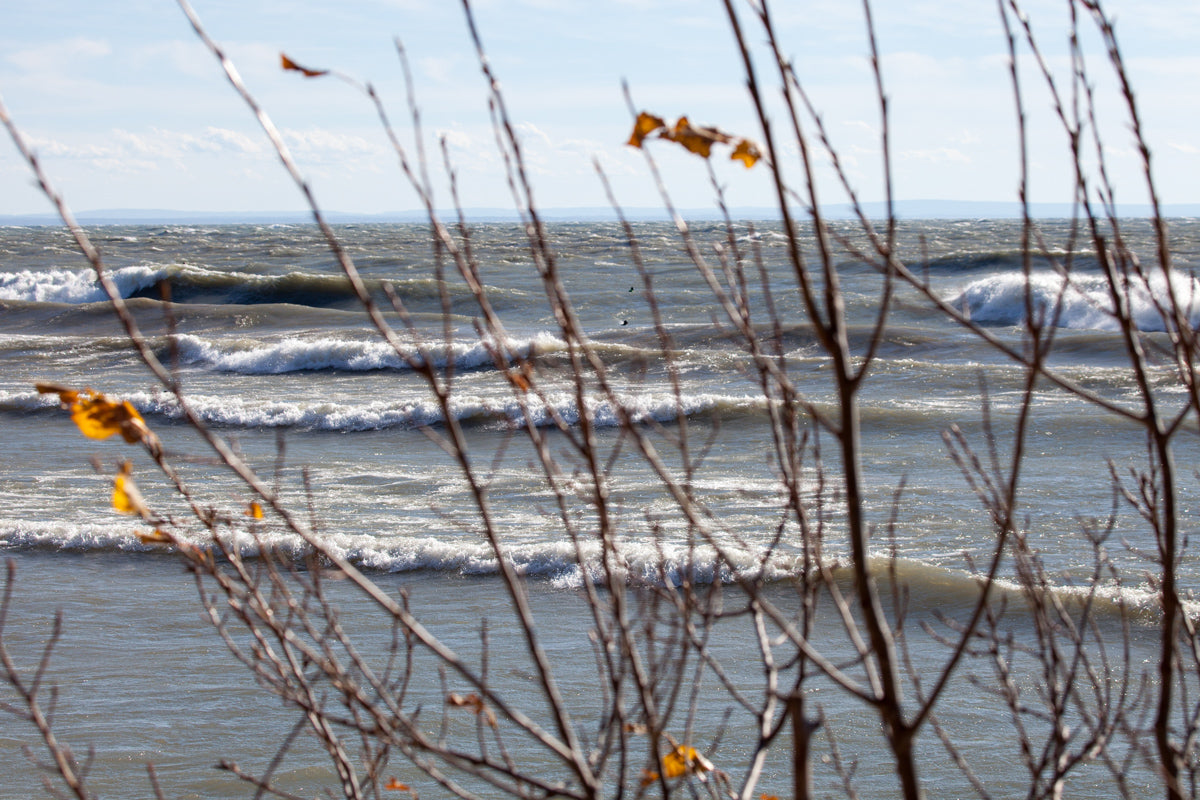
{"x": 127, "y": 110}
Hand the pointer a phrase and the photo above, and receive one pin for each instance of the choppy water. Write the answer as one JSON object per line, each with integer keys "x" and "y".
{"x": 273, "y": 351}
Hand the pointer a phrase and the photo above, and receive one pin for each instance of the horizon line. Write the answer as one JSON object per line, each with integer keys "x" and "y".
{"x": 905, "y": 209}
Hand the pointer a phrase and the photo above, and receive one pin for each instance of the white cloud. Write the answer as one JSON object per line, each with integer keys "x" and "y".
{"x": 321, "y": 144}
{"x": 936, "y": 155}
{"x": 63, "y": 56}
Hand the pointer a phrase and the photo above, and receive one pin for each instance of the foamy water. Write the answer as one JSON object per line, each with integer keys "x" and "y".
{"x": 267, "y": 341}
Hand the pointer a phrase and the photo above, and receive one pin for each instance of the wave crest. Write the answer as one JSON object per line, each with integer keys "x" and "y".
{"x": 1078, "y": 301}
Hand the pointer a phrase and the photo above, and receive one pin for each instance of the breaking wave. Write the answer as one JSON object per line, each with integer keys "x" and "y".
{"x": 1080, "y": 301}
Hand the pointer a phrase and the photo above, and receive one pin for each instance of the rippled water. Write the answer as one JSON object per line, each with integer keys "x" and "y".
{"x": 273, "y": 351}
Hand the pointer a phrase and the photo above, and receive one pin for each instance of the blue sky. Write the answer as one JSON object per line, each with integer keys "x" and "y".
{"x": 127, "y": 110}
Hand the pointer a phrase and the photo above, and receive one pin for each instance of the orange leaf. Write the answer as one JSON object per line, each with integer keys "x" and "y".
{"x": 473, "y": 702}
{"x": 66, "y": 395}
{"x": 698, "y": 140}
{"x": 396, "y": 786}
{"x": 648, "y": 777}
{"x": 521, "y": 376}
{"x": 254, "y": 510}
{"x": 685, "y": 760}
{"x": 154, "y": 537}
{"x": 288, "y": 64}
{"x": 645, "y": 125}
{"x": 747, "y": 152}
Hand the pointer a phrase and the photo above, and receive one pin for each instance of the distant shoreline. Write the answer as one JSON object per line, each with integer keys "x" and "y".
{"x": 909, "y": 209}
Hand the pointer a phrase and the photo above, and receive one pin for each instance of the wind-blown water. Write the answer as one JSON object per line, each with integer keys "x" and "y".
{"x": 273, "y": 350}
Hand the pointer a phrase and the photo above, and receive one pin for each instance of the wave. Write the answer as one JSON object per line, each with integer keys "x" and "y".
{"x": 558, "y": 562}
{"x": 332, "y": 416}
{"x": 74, "y": 287}
{"x": 254, "y": 357}
{"x": 999, "y": 260}
{"x": 192, "y": 284}
{"x": 1080, "y": 301}
{"x": 928, "y": 586}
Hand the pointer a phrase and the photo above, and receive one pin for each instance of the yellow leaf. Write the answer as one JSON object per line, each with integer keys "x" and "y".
{"x": 254, "y": 510}
{"x": 685, "y": 760}
{"x": 98, "y": 417}
{"x": 288, "y": 64}
{"x": 126, "y": 498}
{"x": 747, "y": 152}
{"x": 645, "y": 125}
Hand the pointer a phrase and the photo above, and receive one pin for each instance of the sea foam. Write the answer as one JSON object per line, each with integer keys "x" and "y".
{"x": 1081, "y": 302}
{"x": 298, "y": 354}
{"x": 74, "y": 287}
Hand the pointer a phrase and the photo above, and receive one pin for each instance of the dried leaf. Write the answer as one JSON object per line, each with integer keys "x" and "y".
{"x": 645, "y": 125}
{"x": 473, "y": 702}
{"x": 648, "y": 777}
{"x": 518, "y": 380}
{"x": 685, "y": 760}
{"x": 98, "y": 417}
{"x": 154, "y": 537}
{"x": 126, "y": 498}
{"x": 288, "y": 64}
{"x": 396, "y": 786}
{"x": 698, "y": 140}
{"x": 254, "y": 510}
{"x": 521, "y": 377}
{"x": 747, "y": 152}
{"x": 66, "y": 395}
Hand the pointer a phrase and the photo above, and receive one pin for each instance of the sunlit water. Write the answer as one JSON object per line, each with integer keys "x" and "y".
{"x": 275, "y": 354}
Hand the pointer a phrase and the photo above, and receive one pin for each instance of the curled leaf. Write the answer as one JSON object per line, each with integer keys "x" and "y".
{"x": 695, "y": 139}
{"x": 519, "y": 381}
{"x": 288, "y": 64}
{"x": 98, "y": 417}
{"x": 475, "y": 703}
{"x": 685, "y": 760}
{"x": 747, "y": 152}
{"x": 156, "y": 536}
{"x": 698, "y": 139}
{"x": 521, "y": 377}
{"x": 126, "y": 497}
{"x": 645, "y": 125}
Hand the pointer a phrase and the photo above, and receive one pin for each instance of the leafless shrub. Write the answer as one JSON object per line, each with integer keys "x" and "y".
{"x": 840, "y": 634}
